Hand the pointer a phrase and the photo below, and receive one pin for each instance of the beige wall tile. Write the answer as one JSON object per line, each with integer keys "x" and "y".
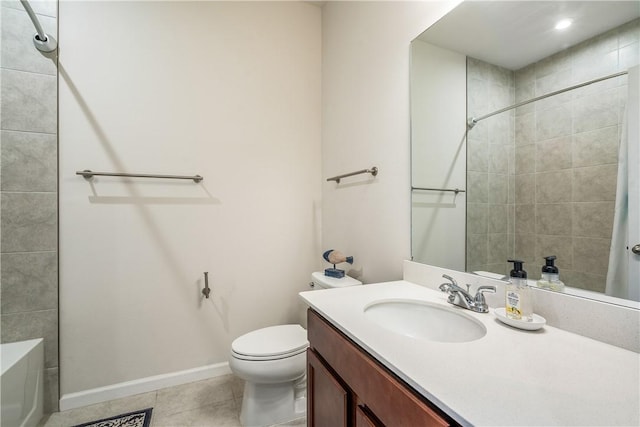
{"x": 595, "y": 111}
{"x": 525, "y": 158}
{"x": 477, "y": 187}
{"x": 477, "y": 97}
{"x": 595, "y": 183}
{"x": 499, "y": 97}
{"x": 554, "y": 218}
{"x": 497, "y": 248}
{"x": 552, "y": 64}
{"x": 498, "y": 159}
{"x": 29, "y": 281}
{"x": 554, "y": 187}
{"x": 593, "y": 219}
{"x": 29, "y": 102}
{"x": 525, "y": 220}
{"x": 498, "y": 218}
{"x": 29, "y": 161}
{"x": 477, "y": 218}
{"x": 590, "y": 282}
{"x": 477, "y": 249}
{"x": 499, "y": 129}
{"x": 554, "y": 154}
{"x": 551, "y": 83}
{"x": 498, "y": 188}
{"x": 525, "y": 129}
{"x": 553, "y": 122}
{"x": 477, "y": 155}
{"x": 591, "y": 255}
{"x": 477, "y": 69}
{"x": 525, "y": 189}
{"x": 500, "y": 76}
{"x": 560, "y": 246}
{"x": 40, "y": 7}
{"x": 525, "y": 247}
{"x": 30, "y": 325}
{"x": 29, "y": 222}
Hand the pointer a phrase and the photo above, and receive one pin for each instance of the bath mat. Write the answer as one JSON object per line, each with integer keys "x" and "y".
{"x": 140, "y": 418}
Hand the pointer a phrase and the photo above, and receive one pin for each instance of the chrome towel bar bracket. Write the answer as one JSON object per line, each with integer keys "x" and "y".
{"x": 88, "y": 174}
{"x": 373, "y": 171}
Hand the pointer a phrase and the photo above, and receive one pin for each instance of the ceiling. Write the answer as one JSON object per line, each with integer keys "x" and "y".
{"x": 514, "y": 34}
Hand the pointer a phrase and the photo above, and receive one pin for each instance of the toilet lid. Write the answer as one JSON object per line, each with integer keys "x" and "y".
{"x": 272, "y": 341}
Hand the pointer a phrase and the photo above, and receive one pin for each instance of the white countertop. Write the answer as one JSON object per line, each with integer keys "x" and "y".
{"x": 508, "y": 377}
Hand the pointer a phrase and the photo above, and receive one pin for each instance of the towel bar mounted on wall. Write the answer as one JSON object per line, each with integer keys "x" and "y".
{"x": 453, "y": 190}
{"x": 373, "y": 171}
{"x": 88, "y": 174}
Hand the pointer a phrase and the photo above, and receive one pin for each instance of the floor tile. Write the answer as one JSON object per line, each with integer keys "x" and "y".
{"x": 194, "y": 395}
{"x": 225, "y": 414}
{"x": 214, "y": 402}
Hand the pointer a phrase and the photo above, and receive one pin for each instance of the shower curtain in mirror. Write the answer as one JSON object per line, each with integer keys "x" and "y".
{"x": 623, "y": 278}
{"x": 617, "y": 275}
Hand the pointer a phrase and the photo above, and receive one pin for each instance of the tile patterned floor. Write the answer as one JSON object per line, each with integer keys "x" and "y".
{"x": 210, "y": 403}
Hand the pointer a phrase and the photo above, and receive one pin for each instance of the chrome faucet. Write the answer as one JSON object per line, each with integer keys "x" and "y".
{"x": 462, "y": 298}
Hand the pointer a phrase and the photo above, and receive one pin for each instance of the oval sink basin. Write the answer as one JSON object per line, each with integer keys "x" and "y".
{"x": 423, "y": 320}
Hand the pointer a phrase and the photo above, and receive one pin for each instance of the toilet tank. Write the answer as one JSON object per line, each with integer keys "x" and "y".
{"x": 320, "y": 281}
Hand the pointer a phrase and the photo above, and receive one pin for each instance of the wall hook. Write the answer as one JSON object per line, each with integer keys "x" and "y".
{"x": 206, "y": 291}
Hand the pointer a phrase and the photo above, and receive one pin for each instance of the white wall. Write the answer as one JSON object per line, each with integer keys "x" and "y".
{"x": 438, "y": 155}
{"x": 365, "y": 122}
{"x": 228, "y": 90}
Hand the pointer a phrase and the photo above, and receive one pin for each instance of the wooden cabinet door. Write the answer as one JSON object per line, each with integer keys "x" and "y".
{"x": 364, "y": 418}
{"x": 327, "y": 399}
{"x": 392, "y": 402}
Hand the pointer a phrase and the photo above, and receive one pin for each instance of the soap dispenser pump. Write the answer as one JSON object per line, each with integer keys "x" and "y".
{"x": 550, "y": 278}
{"x": 518, "y": 304}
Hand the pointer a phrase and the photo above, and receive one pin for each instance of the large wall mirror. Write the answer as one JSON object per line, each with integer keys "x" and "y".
{"x": 518, "y": 153}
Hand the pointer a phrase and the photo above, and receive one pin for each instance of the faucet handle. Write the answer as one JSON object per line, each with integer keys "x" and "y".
{"x": 480, "y": 304}
{"x": 479, "y": 298}
{"x": 446, "y": 287}
{"x": 451, "y": 279}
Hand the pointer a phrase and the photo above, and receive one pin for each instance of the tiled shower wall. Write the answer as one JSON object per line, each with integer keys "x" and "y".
{"x": 561, "y": 158}
{"x": 490, "y": 167}
{"x": 566, "y": 156}
{"x": 28, "y": 198}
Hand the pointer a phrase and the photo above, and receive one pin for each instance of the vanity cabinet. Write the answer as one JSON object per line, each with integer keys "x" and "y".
{"x": 347, "y": 387}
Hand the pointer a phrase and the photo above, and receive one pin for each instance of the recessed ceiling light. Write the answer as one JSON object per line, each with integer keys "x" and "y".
{"x": 564, "y": 23}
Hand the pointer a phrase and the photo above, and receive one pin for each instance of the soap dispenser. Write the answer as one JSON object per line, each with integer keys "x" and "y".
{"x": 518, "y": 305}
{"x": 550, "y": 278}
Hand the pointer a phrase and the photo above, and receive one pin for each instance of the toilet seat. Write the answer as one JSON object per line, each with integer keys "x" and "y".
{"x": 271, "y": 343}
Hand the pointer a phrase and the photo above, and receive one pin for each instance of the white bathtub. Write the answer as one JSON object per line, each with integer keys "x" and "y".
{"x": 22, "y": 383}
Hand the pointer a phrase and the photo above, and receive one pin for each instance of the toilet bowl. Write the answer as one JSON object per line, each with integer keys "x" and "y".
{"x": 273, "y": 363}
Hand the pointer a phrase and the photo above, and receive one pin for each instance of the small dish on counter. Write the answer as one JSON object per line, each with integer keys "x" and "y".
{"x": 536, "y": 323}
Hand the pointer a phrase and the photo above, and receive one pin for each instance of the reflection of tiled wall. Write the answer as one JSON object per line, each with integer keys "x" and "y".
{"x": 489, "y": 166}
{"x": 566, "y": 156}
{"x": 28, "y": 153}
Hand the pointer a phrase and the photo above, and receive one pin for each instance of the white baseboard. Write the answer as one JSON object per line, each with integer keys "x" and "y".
{"x": 142, "y": 385}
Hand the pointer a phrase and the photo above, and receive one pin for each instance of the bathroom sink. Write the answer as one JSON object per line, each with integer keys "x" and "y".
{"x": 423, "y": 320}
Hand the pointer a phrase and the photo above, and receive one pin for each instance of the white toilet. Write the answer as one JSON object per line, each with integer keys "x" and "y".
{"x": 273, "y": 363}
